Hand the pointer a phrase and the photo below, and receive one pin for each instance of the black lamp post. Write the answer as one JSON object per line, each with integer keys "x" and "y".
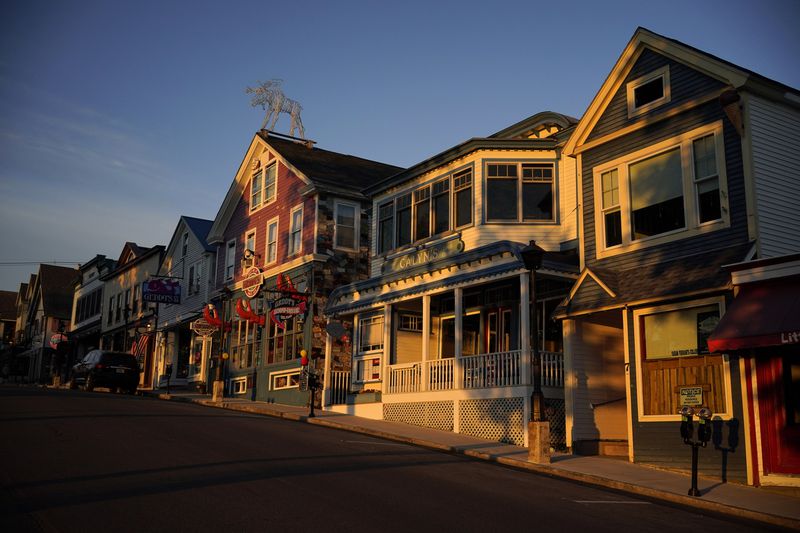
{"x": 532, "y": 257}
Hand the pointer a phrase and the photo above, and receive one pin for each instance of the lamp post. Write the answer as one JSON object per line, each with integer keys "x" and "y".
{"x": 219, "y": 386}
{"x": 538, "y": 427}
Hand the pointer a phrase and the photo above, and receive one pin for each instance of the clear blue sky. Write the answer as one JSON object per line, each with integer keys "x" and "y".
{"x": 116, "y": 118}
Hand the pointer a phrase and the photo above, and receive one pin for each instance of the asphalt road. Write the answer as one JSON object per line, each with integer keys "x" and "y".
{"x": 85, "y": 462}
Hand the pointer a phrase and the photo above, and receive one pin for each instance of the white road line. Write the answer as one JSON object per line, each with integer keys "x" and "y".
{"x": 611, "y": 501}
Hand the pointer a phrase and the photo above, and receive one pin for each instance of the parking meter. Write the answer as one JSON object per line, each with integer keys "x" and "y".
{"x": 704, "y": 430}
{"x": 687, "y": 426}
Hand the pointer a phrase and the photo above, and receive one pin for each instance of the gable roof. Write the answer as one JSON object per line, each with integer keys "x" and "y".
{"x": 737, "y": 77}
{"x": 320, "y": 169}
{"x": 57, "y": 286}
{"x": 200, "y": 227}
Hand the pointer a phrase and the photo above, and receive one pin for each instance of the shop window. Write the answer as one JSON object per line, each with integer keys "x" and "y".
{"x": 673, "y": 353}
{"x": 285, "y": 380}
{"x": 239, "y": 386}
{"x": 370, "y": 334}
{"x": 245, "y": 343}
{"x": 284, "y": 343}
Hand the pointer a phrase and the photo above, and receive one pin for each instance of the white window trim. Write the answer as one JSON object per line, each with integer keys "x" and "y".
{"x": 198, "y": 274}
{"x": 726, "y": 374}
{"x": 264, "y": 200}
{"x": 275, "y": 375}
{"x": 361, "y": 321}
{"x": 240, "y": 384}
{"x": 233, "y": 260}
{"x": 356, "y": 223}
{"x": 631, "y": 86}
{"x": 692, "y": 225}
{"x": 299, "y": 250}
{"x": 365, "y": 357}
{"x": 277, "y": 239}
{"x": 254, "y": 260}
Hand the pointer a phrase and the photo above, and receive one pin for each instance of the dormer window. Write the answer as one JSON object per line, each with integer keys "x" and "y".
{"x": 648, "y": 92}
{"x": 263, "y": 187}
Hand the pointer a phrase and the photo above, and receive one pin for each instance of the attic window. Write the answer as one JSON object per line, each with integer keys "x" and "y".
{"x": 648, "y": 92}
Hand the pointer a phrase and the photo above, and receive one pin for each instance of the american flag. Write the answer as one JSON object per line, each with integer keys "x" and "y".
{"x": 139, "y": 348}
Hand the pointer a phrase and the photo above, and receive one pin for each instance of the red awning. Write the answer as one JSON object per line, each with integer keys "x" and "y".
{"x": 763, "y": 314}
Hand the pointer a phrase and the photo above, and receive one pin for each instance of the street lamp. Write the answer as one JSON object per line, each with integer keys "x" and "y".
{"x": 532, "y": 257}
{"x": 538, "y": 427}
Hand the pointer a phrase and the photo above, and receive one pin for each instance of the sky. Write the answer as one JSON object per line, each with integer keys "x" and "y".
{"x": 116, "y": 118}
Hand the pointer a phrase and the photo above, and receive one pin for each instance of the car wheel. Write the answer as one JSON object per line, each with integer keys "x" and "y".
{"x": 89, "y": 383}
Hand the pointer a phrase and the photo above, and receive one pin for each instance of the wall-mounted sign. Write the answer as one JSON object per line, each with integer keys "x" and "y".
{"x": 252, "y": 281}
{"x": 423, "y": 256}
{"x": 203, "y": 328}
{"x": 692, "y": 396}
{"x": 163, "y": 291}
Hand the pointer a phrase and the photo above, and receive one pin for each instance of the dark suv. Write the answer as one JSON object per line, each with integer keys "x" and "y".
{"x": 107, "y": 369}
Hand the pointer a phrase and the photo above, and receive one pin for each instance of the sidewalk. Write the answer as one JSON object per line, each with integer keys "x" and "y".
{"x": 731, "y": 499}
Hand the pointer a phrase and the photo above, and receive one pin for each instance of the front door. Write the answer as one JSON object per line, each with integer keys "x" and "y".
{"x": 779, "y": 411}
{"x": 498, "y": 330}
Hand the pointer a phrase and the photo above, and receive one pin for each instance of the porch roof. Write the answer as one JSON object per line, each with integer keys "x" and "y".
{"x": 555, "y": 263}
{"x": 600, "y": 289}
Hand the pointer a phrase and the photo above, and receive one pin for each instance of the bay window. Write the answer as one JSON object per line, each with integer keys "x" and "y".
{"x": 671, "y": 190}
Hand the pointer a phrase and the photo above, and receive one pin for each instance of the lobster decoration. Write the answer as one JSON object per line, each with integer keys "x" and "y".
{"x": 244, "y": 310}
{"x": 212, "y": 317}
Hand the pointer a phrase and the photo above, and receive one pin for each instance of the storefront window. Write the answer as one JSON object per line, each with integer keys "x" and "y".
{"x": 284, "y": 344}
{"x": 245, "y": 344}
{"x": 674, "y": 355}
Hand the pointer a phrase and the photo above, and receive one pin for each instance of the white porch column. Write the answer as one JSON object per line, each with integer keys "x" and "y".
{"x": 458, "y": 328}
{"x": 326, "y": 387}
{"x": 525, "y": 325}
{"x": 426, "y": 341}
{"x": 387, "y": 346}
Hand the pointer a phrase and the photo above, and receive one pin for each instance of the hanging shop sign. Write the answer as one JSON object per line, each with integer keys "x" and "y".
{"x": 162, "y": 291}
{"x": 289, "y": 304}
{"x": 252, "y": 281}
{"x": 245, "y": 311}
{"x": 56, "y": 339}
{"x": 426, "y": 255}
{"x": 203, "y": 328}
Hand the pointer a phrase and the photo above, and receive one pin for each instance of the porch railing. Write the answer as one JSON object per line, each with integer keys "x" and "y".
{"x": 340, "y": 384}
{"x": 501, "y": 369}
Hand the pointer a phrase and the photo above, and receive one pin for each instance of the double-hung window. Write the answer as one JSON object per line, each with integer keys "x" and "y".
{"x": 272, "y": 241}
{"x": 263, "y": 186}
{"x": 346, "y": 229}
{"x": 441, "y": 206}
{"x": 520, "y": 192}
{"x": 230, "y": 259}
{"x": 462, "y": 192}
{"x": 385, "y": 227}
{"x": 403, "y": 211}
{"x": 422, "y": 213}
{"x": 296, "y": 231}
{"x": 250, "y": 241}
{"x": 368, "y": 361}
{"x": 673, "y": 189}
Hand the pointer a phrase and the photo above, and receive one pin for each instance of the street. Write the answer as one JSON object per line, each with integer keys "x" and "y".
{"x": 77, "y": 461}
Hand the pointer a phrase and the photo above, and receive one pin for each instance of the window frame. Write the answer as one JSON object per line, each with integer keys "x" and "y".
{"x": 264, "y": 200}
{"x": 356, "y": 225}
{"x": 230, "y": 262}
{"x": 631, "y": 86}
{"x": 292, "y": 231}
{"x": 288, "y": 374}
{"x": 363, "y": 359}
{"x": 638, "y": 336}
{"x": 520, "y": 182}
{"x": 254, "y": 259}
{"x": 185, "y": 244}
{"x": 692, "y": 227}
{"x": 274, "y": 221}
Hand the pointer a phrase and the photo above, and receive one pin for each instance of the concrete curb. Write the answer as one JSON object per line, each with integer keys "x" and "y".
{"x": 589, "y": 479}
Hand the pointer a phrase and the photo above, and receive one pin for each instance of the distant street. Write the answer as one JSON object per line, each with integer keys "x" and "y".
{"x": 85, "y": 462}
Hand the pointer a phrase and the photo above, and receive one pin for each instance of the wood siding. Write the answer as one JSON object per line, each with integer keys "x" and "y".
{"x": 685, "y": 85}
{"x": 722, "y": 238}
{"x": 775, "y": 142}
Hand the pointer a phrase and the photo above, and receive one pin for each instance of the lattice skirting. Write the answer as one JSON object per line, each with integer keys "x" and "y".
{"x": 499, "y": 419}
{"x": 557, "y": 416}
{"x": 436, "y": 415}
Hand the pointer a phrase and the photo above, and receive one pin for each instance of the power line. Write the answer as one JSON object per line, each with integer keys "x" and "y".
{"x": 22, "y": 263}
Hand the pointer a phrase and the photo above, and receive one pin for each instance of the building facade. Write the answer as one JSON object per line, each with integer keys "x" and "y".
{"x": 293, "y": 226}
{"x": 674, "y": 185}
{"x": 442, "y": 329}
{"x": 87, "y": 307}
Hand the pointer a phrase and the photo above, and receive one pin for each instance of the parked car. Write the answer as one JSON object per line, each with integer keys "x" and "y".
{"x": 100, "y": 368}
